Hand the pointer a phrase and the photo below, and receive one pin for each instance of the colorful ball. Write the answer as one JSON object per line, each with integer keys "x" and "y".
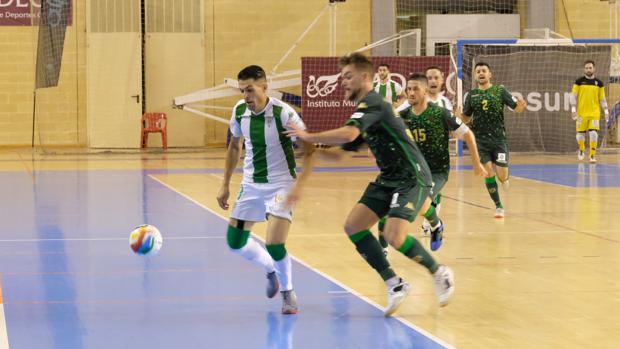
{"x": 145, "y": 240}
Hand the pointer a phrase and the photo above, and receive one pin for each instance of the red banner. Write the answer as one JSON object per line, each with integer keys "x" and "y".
{"x": 28, "y": 12}
{"x": 323, "y": 105}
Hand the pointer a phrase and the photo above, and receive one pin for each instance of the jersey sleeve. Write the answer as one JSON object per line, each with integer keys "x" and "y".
{"x": 467, "y": 107}
{"x": 365, "y": 116}
{"x": 575, "y": 89}
{"x": 453, "y": 124}
{"x": 508, "y": 99}
{"x": 353, "y": 145}
{"x": 601, "y": 92}
{"x": 398, "y": 88}
{"x": 290, "y": 115}
{"x": 234, "y": 125}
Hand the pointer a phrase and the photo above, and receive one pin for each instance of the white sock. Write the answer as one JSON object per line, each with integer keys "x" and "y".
{"x": 284, "y": 272}
{"x": 257, "y": 254}
{"x": 393, "y": 281}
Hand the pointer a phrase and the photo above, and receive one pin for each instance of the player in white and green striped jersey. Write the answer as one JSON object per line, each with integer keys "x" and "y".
{"x": 270, "y": 184}
{"x": 389, "y": 89}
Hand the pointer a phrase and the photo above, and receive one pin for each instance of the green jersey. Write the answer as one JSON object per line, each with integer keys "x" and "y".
{"x": 399, "y": 160}
{"x": 487, "y": 109}
{"x": 431, "y": 131}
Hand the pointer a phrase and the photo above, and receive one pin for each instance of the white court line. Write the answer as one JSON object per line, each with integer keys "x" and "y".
{"x": 109, "y": 239}
{"x": 348, "y": 289}
{"x": 4, "y": 336}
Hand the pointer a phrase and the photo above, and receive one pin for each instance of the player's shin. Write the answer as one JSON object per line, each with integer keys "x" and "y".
{"x": 240, "y": 243}
{"x": 414, "y": 250}
{"x": 370, "y": 249}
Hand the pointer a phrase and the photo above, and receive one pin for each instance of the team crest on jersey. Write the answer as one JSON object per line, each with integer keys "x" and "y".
{"x": 410, "y": 205}
{"x": 362, "y": 105}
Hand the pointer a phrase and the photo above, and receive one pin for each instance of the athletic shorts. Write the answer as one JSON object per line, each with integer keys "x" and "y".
{"x": 588, "y": 123}
{"x": 401, "y": 202}
{"x": 494, "y": 151}
{"x": 257, "y": 200}
{"x": 439, "y": 181}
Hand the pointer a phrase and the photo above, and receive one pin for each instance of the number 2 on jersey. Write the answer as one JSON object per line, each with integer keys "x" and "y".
{"x": 485, "y": 105}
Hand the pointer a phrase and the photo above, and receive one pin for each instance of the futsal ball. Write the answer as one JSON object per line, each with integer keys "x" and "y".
{"x": 145, "y": 240}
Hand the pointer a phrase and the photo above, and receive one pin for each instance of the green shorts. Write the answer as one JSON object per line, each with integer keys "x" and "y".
{"x": 439, "y": 181}
{"x": 494, "y": 151}
{"x": 401, "y": 202}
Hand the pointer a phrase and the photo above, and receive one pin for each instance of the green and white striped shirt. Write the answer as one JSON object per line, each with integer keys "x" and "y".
{"x": 389, "y": 91}
{"x": 269, "y": 155}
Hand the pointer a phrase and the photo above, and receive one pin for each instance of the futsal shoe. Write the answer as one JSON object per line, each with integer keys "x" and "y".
{"x": 443, "y": 279}
{"x": 436, "y": 237}
{"x": 499, "y": 212}
{"x": 580, "y": 155}
{"x": 273, "y": 285}
{"x": 592, "y": 159}
{"x": 396, "y": 295}
{"x": 289, "y": 302}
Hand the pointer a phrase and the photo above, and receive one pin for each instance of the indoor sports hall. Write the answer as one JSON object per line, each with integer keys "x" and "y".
{"x": 116, "y": 113}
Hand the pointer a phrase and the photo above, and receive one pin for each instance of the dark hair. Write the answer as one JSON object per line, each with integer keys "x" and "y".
{"x": 418, "y": 77}
{"x": 482, "y": 64}
{"x": 384, "y": 65}
{"x": 589, "y": 61}
{"x": 359, "y": 62}
{"x": 436, "y": 67}
{"x": 252, "y": 72}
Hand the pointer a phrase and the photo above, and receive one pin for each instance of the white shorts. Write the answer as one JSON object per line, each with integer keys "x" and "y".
{"x": 256, "y": 200}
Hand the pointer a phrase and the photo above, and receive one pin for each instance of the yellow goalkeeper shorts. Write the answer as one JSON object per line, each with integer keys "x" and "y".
{"x": 588, "y": 123}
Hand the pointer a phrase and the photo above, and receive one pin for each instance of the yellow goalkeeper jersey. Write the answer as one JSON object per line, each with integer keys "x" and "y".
{"x": 590, "y": 93}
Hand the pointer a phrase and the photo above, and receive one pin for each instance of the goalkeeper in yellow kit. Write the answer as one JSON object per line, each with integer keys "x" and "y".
{"x": 587, "y": 99}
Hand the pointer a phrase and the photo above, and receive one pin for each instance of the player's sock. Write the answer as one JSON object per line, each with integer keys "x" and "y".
{"x": 382, "y": 239}
{"x": 371, "y": 251}
{"x": 414, "y": 250}
{"x": 593, "y": 143}
{"x": 581, "y": 141}
{"x": 492, "y": 188}
{"x": 431, "y": 216}
{"x": 282, "y": 265}
{"x": 240, "y": 243}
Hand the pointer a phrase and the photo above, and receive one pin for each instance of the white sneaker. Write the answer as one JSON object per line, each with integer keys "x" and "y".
{"x": 580, "y": 155}
{"x": 443, "y": 279}
{"x": 426, "y": 228}
{"x": 506, "y": 184}
{"x": 592, "y": 159}
{"x": 396, "y": 295}
{"x": 499, "y": 212}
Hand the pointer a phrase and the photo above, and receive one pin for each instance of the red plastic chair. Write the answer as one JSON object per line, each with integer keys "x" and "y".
{"x": 154, "y": 123}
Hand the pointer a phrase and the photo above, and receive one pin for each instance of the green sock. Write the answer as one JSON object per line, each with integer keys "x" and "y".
{"x": 492, "y": 188}
{"x": 371, "y": 251}
{"x": 382, "y": 240}
{"x": 414, "y": 250}
{"x": 431, "y": 216}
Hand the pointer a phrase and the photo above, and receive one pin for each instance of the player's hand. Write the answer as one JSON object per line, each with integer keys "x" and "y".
{"x": 606, "y": 116}
{"x": 480, "y": 171}
{"x": 294, "y": 131}
{"x": 574, "y": 115}
{"x": 222, "y": 197}
{"x": 293, "y": 196}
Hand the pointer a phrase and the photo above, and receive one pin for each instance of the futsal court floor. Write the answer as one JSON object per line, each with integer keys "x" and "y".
{"x": 546, "y": 276}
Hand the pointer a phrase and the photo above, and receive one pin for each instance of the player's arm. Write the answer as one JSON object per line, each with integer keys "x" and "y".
{"x": 338, "y": 153}
{"x": 514, "y": 103}
{"x": 573, "y": 101}
{"x": 462, "y": 132}
{"x": 232, "y": 157}
{"x": 467, "y": 111}
{"x": 603, "y": 101}
{"x": 307, "y": 165}
{"x": 402, "y": 96}
{"x": 340, "y": 135}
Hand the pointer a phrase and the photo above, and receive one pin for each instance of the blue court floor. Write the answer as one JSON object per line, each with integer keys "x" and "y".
{"x": 69, "y": 279}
